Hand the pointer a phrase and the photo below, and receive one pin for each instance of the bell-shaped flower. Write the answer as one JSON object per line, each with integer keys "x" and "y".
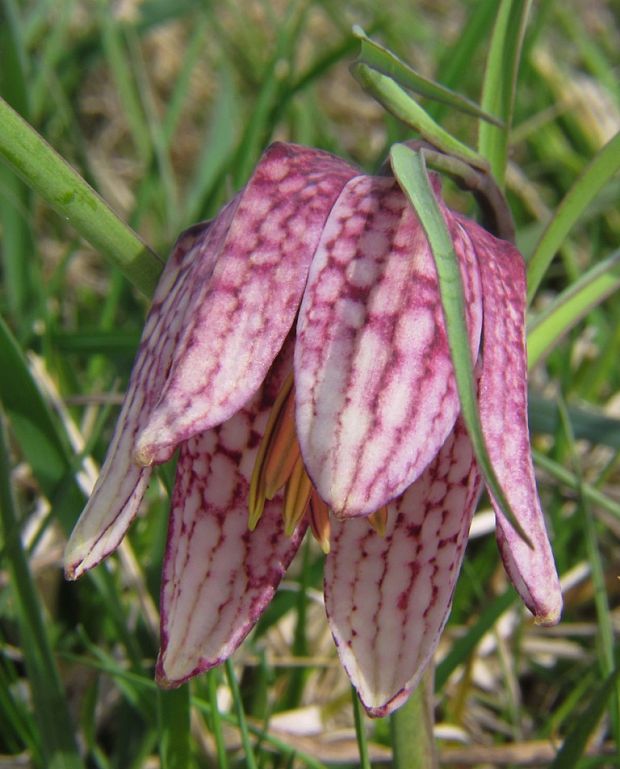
{"x": 296, "y": 355}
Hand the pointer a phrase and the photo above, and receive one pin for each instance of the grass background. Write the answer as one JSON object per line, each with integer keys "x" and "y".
{"x": 164, "y": 108}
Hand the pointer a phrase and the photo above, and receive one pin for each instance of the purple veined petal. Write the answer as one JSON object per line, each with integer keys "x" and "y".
{"x": 121, "y": 484}
{"x": 503, "y": 413}
{"x": 375, "y": 389}
{"x": 388, "y": 598}
{"x": 218, "y": 576}
{"x": 243, "y": 314}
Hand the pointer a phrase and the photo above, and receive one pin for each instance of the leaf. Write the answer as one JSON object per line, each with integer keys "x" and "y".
{"x": 588, "y": 423}
{"x": 548, "y": 328}
{"x": 401, "y": 105}
{"x": 410, "y": 170}
{"x": 48, "y": 695}
{"x": 387, "y": 63}
{"x": 574, "y": 745}
{"x": 500, "y": 79}
{"x": 32, "y": 158}
{"x": 593, "y": 178}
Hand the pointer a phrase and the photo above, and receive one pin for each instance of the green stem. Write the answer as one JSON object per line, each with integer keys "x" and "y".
{"x": 411, "y": 726}
{"x": 48, "y": 174}
{"x": 360, "y": 733}
{"x": 215, "y": 721}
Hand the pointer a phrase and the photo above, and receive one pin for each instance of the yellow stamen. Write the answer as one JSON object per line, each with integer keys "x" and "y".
{"x": 283, "y": 450}
{"x": 296, "y": 497}
{"x": 378, "y": 520}
{"x": 319, "y": 520}
{"x": 257, "y": 496}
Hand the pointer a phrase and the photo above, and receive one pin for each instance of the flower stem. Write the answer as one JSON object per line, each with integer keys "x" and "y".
{"x": 358, "y": 716}
{"x": 413, "y": 743}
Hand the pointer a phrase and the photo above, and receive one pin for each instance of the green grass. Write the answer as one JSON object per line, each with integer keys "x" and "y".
{"x": 164, "y": 111}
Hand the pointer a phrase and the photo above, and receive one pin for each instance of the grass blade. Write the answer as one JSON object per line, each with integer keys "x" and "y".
{"x": 588, "y": 423}
{"x": 360, "y": 733}
{"x": 215, "y": 721}
{"x": 410, "y": 171}
{"x": 17, "y": 239}
{"x": 570, "y": 307}
{"x": 29, "y": 156}
{"x": 402, "y": 106}
{"x": 384, "y": 61}
{"x": 250, "y": 760}
{"x": 593, "y": 178}
{"x": 465, "y": 646}
{"x": 575, "y": 743}
{"x": 500, "y": 80}
{"x": 561, "y": 474}
{"x": 50, "y": 703}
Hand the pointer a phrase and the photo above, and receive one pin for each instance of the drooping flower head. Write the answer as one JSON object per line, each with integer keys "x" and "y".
{"x": 296, "y": 355}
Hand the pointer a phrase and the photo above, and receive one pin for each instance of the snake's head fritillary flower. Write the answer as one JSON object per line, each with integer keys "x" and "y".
{"x": 296, "y": 355}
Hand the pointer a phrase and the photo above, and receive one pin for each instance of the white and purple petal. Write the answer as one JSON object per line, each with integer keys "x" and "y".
{"x": 218, "y": 576}
{"x": 240, "y": 318}
{"x": 121, "y": 484}
{"x": 503, "y": 413}
{"x": 388, "y": 598}
{"x": 376, "y": 396}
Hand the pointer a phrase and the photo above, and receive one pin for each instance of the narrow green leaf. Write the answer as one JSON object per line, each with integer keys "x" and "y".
{"x": 50, "y": 703}
{"x": 250, "y": 760}
{"x": 29, "y": 156}
{"x": 387, "y": 63}
{"x": 464, "y": 647}
{"x": 115, "y": 50}
{"x": 500, "y": 80}
{"x": 216, "y": 721}
{"x": 19, "y": 272}
{"x": 360, "y": 732}
{"x": 260, "y": 124}
{"x": 566, "y": 477}
{"x": 548, "y": 328}
{"x": 33, "y": 422}
{"x": 575, "y": 743}
{"x": 217, "y": 148}
{"x": 455, "y": 63}
{"x": 587, "y": 422}
{"x": 410, "y": 171}
{"x": 397, "y": 101}
{"x": 46, "y": 448}
{"x": 593, "y": 178}
{"x": 275, "y": 742}
{"x": 604, "y": 620}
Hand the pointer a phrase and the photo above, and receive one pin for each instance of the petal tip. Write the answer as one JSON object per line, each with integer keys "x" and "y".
{"x": 171, "y": 672}
{"x": 551, "y": 617}
{"x": 77, "y": 560}
{"x": 395, "y": 702}
{"x": 72, "y": 571}
{"x": 161, "y": 678}
{"x": 150, "y": 451}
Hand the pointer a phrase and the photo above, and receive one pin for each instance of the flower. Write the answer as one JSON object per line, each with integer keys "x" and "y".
{"x": 317, "y": 269}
